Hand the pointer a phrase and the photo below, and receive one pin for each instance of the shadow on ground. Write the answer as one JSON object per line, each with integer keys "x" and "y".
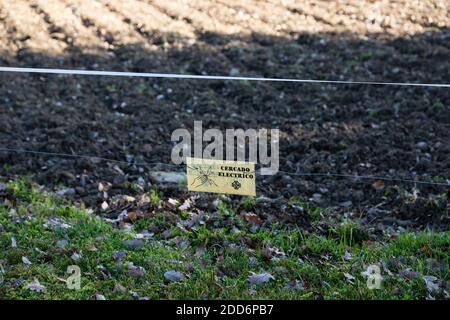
{"x": 368, "y": 130}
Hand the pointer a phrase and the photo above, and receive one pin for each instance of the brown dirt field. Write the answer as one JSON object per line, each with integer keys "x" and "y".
{"x": 401, "y": 132}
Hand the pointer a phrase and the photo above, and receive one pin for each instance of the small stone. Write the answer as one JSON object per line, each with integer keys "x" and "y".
{"x": 422, "y": 145}
{"x": 100, "y": 297}
{"x": 173, "y": 276}
{"x": 105, "y": 205}
{"x": 323, "y": 190}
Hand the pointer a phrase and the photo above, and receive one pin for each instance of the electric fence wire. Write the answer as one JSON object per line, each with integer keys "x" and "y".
{"x": 209, "y": 77}
{"x": 172, "y": 165}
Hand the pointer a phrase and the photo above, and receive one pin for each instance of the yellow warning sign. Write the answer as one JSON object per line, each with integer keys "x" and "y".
{"x": 232, "y": 177}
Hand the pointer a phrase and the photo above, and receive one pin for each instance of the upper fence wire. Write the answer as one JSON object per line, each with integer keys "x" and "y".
{"x": 211, "y": 77}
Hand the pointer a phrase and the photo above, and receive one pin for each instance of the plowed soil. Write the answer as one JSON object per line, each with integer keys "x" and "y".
{"x": 401, "y": 132}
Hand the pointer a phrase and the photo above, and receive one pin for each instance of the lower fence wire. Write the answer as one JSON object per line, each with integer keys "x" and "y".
{"x": 171, "y": 165}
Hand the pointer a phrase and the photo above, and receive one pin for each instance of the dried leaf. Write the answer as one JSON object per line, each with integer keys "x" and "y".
{"x": 349, "y": 277}
{"x": 132, "y": 215}
{"x": 378, "y": 184}
{"x": 431, "y": 283}
{"x": 260, "y": 278}
{"x": 35, "y": 286}
{"x": 347, "y": 256}
{"x": 91, "y": 248}
{"x": 185, "y": 206}
{"x": 253, "y": 218}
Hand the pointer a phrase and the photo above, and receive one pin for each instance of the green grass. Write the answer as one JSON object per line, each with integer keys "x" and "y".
{"x": 220, "y": 271}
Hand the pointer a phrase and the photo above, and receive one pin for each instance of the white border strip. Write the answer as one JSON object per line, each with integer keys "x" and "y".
{"x": 205, "y": 77}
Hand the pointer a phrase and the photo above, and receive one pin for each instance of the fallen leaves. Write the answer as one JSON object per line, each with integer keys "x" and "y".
{"x": 35, "y": 286}
{"x": 172, "y": 202}
{"x": 272, "y": 253}
{"x": 186, "y": 205}
{"x": 132, "y": 215}
{"x": 431, "y": 284}
{"x": 91, "y": 248}
{"x": 259, "y": 278}
{"x": 349, "y": 277}
{"x": 378, "y": 185}
{"x": 252, "y": 218}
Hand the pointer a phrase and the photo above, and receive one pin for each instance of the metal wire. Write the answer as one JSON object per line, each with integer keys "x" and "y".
{"x": 206, "y": 77}
{"x": 154, "y": 164}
